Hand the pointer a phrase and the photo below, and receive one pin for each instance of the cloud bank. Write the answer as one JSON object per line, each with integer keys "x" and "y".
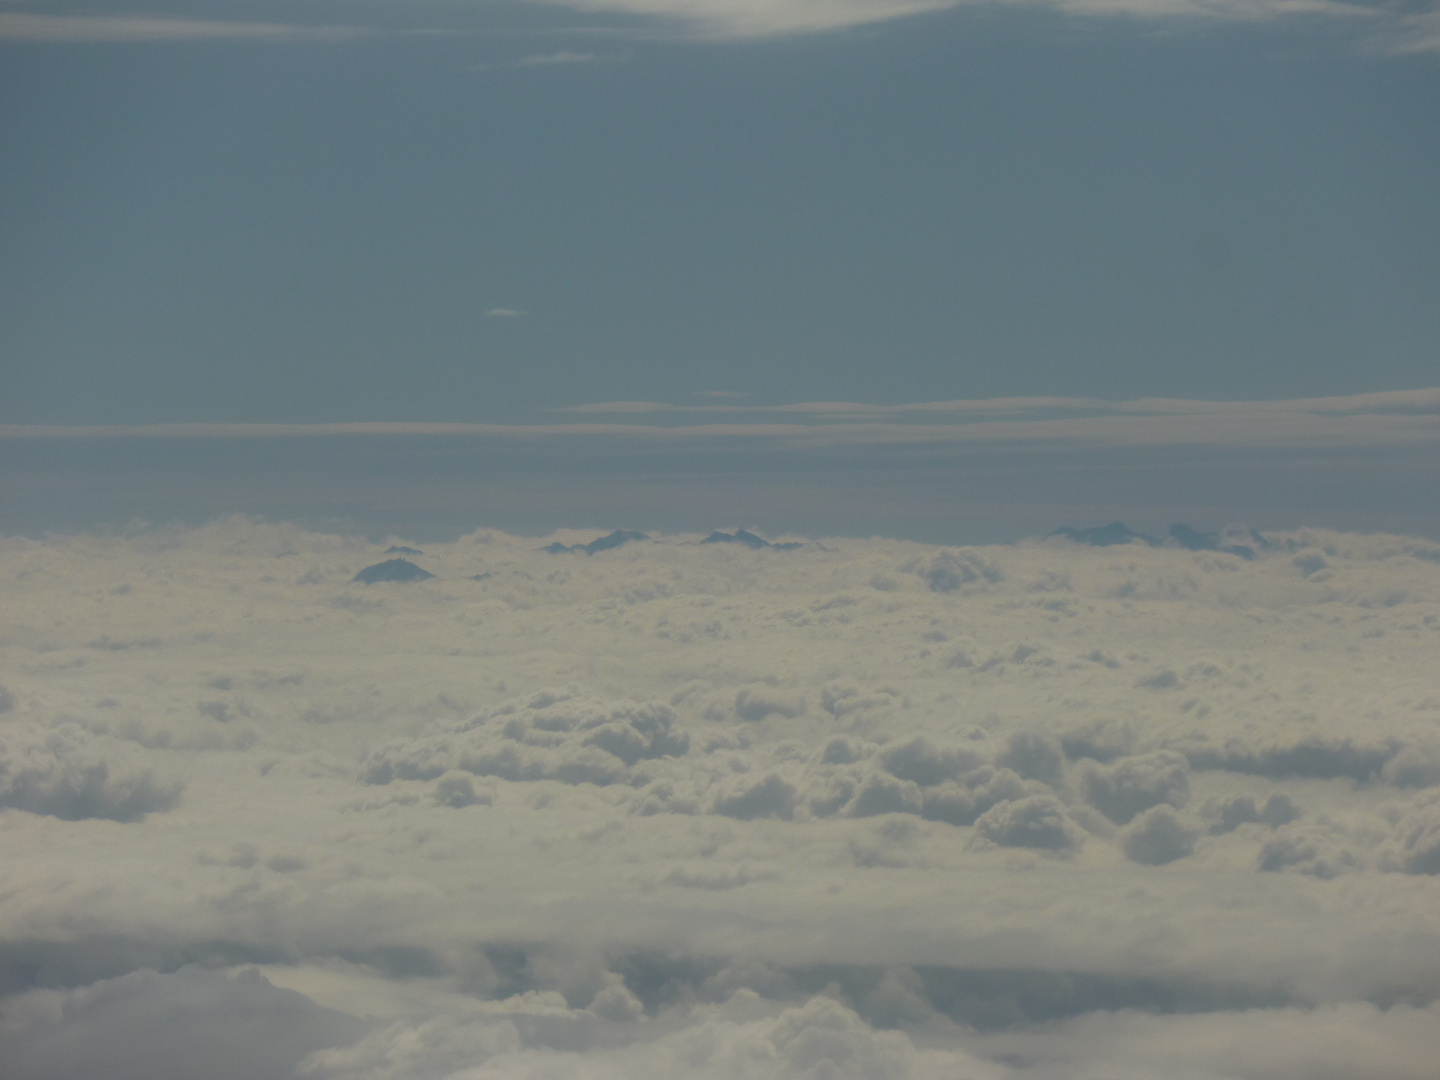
{"x": 847, "y": 809}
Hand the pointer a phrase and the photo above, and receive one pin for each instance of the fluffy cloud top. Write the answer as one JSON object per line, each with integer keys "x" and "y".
{"x": 855, "y": 808}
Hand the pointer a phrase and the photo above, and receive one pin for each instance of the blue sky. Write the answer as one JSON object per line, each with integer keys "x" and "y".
{"x": 343, "y": 212}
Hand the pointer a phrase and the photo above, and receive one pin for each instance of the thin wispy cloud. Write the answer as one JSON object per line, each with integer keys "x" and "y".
{"x": 565, "y": 57}
{"x": 120, "y": 29}
{"x": 1415, "y": 28}
{"x": 1390, "y": 419}
{"x": 1416, "y": 33}
{"x": 771, "y": 18}
{"x": 1425, "y": 402}
{"x": 503, "y": 313}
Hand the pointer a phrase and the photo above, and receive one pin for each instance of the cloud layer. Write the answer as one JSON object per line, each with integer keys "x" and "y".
{"x": 1409, "y": 418}
{"x": 847, "y": 809}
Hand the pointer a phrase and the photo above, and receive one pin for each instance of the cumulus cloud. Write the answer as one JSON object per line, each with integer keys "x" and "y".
{"x": 440, "y": 1047}
{"x": 1416, "y": 845}
{"x": 1313, "y": 757}
{"x": 769, "y": 796}
{"x": 950, "y": 571}
{"x": 457, "y": 789}
{"x": 1416, "y": 765}
{"x": 961, "y": 801}
{"x": 745, "y": 1037}
{"x": 1102, "y": 740}
{"x": 919, "y": 760}
{"x": 191, "y": 1022}
{"x": 1036, "y": 821}
{"x": 550, "y": 735}
{"x": 1133, "y": 784}
{"x": 1351, "y": 1040}
{"x": 697, "y": 810}
{"x": 758, "y": 702}
{"x": 1157, "y": 836}
{"x": 1229, "y": 814}
{"x": 1318, "y": 850}
{"x": 1034, "y": 755}
{"x": 60, "y": 771}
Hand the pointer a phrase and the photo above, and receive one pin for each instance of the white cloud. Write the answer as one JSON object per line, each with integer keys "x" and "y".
{"x": 1397, "y": 31}
{"x": 764, "y": 18}
{"x": 1342, "y": 1041}
{"x": 1378, "y": 24}
{"x": 805, "y": 813}
{"x": 146, "y": 1024}
{"x": 1158, "y": 836}
{"x": 761, "y": 18}
{"x": 553, "y": 734}
{"x": 1133, "y": 784}
{"x": 560, "y": 57}
{"x": 1388, "y": 28}
{"x": 57, "y": 769}
{"x": 1417, "y": 33}
{"x": 1036, "y": 821}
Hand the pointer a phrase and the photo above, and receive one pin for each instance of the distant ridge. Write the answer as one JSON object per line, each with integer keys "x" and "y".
{"x": 392, "y": 570}
{"x": 1185, "y": 536}
{"x": 1117, "y": 532}
{"x": 594, "y": 547}
{"x": 749, "y": 539}
{"x": 400, "y": 549}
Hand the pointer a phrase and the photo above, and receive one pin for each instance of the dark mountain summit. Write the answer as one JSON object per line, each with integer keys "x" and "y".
{"x": 749, "y": 539}
{"x": 594, "y": 547}
{"x": 1116, "y": 532}
{"x": 739, "y": 536}
{"x": 392, "y": 570}
{"x": 400, "y": 549}
{"x": 1193, "y": 539}
{"x": 1184, "y": 536}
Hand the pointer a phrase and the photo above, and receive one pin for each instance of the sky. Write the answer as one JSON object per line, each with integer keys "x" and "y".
{"x": 344, "y": 735}
{"x": 480, "y": 212}
{"x": 499, "y": 214}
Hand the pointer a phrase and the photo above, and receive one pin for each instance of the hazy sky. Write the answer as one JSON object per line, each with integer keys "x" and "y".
{"x": 477, "y": 213}
{"x": 432, "y": 211}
